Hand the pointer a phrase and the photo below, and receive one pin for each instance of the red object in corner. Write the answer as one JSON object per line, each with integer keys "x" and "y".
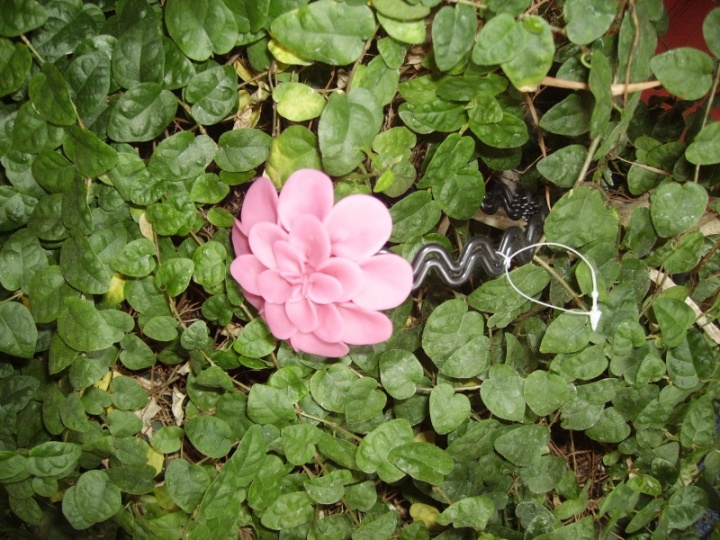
{"x": 685, "y": 30}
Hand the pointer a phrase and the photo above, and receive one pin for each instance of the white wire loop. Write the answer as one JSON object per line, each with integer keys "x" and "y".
{"x": 594, "y": 314}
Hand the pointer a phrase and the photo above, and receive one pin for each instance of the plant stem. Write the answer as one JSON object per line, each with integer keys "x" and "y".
{"x": 589, "y": 158}
{"x": 33, "y": 50}
{"x": 328, "y": 423}
{"x": 550, "y": 270}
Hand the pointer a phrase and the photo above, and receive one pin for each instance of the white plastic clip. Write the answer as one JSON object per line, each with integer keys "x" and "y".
{"x": 594, "y": 314}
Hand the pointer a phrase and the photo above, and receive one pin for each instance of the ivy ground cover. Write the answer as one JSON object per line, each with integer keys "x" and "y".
{"x": 141, "y": 396}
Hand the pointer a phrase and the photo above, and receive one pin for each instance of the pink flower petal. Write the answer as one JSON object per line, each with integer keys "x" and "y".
{"x": 324, "y": 289}
{"x": 388, "y": 281}
{"x": 330, "y": 324}
{"x": 310, "y": 237}
{"x": 289, "y": 261}
{"x": 349, "y": 275}
{"x": 302, "y": 314}
{"x": 306, "y": 191}
{"x": 359, "y": 226}
{"x": 278, "y": 322}
{"x": 256, "y": 301}
{"x": 239, "y": 240}
{"x": 262, "y": 238}
{"x": 260, "y": 204}
{"x": 363, "y": 326}
{"x": 309, "y": 343}
{"x": 246, "y": 269}
{"x": 273, "y": 287}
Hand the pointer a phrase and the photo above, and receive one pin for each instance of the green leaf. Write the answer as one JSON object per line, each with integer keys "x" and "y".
{"x": 705, "y": 147}
{"x": 588, "y": 20}
{"x": 142, "y": 113}
{"x": 186, "y": 483}
{"x": 569, "y": 117}
{"x": 91, "y": 156}
{"x": 18, "y": 333}
{"x": 347, "y": 125}
{"x": 441, "y": 115}
{"x": 568, "y": 333}
{"x": 500, "y": 40}
{"x": 610, "y": 427}
{"x": 545, "y": 392}
{"x": 255, "y": 341}
{"x": 453, "y": 34}
{"x": 297, "y": 102}
{"x": 329, "y": 387}
{"x": 327, "y": 31}
{"x": 509, "y": 132}
{"x": 201, "y": 28}
{"x": 167, "y": 440}
{"x": 401, "y": 10}
{"x": 13, "y": 466}
{"x": 213, "y": 94}
{"x": 210, "y": 435}
{"x": 97, "y": 498}
{"x": 523, "y": 444}
{"x": 299, "y": 442}
{"x": 70, "y": 24}
{"x": 32, "y": 134}
{"x": 139, "y": 57}
{"x": 137, "y": 258}
{"x": 21, "y": 256}
{"x": 400, "y": 372}
{"x": 677, "y": 207}
{"x": 82, "y": 267}
{"x": 53, "y": 459}
{"x": 15, "y": 63}
{"x": 127, "y": 394}
{"x": 599, "y": 81}
{"x": 21, "y": 16}
{"x": 502, "y": 393}
{"x": 685, "y": 507}
{"x": 372, "y": 454}
{"x": 208, "y": 189}
{"x": 675, "y": 317}
{"x": 328, "y": 489}
{"x": 161, "y": 328}
{"x": 89, "y": 76}
{"x": 268, "y": 405}
{"x": 586, "y": 365}
{"x": 685, "y": 72}
{"x": 447, "y": 409}
{"x": 711, "y": 32}
{"x": 563, "y": 166}
{"x": 289, "y": 510}
{"x": 209, "y": 260}
{"x": 461, "y": 193}
{"x": 472, "y": 512}
{"x": 295, "y": 148}
{"x": 423, "y": 461}
{"x": 598, "y": 223}
{"x": 411, "y": 32}
{"x": 533, "y": 62}
{"x": 15, "y": 208}
{"x": 392, "y": 52}
{"x": 242, "y": 150}
{"x": 182, "y": 156}
{"x": 449, "y": 327}
{"x": 50, "y": 96}
{"x": 83, "y": 327}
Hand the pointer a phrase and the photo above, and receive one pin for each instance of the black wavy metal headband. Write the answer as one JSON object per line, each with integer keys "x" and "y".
{"x": 480, "y": 251}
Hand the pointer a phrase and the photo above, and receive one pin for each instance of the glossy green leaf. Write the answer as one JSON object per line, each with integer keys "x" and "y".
{"x": 182, "y": 155}
{"x": 348, "y": 124}
{"x": 142, "y": 113}
{"x": 423, "y": 461}
{"x": 201, "y": 28}
{"x": 51, "y": 97}
{"x": 213, "y": 94}
{"x": 545, "y": 392}
{"x": 502, "y": 393}
{"x": 563, "y": 166}
{"x": 677, "y": 207}
{"x": 186, "y": 483}
{"x": 524, "y": 443}
{"x": 472, "y": 512}
{"x": 568, "y": 333}
{"x": 509, "y": 132}
{"x": 588, "y": 20}
{"x": 327, "y": 31}
{"x": 295, "y": 148}
{"x": 400, "y": 372}
{"x": 597, "y": 222}
{"x": 570, "y": 117}
{"x": 447, "y": 408}
{"x": 298, "y": 102}
{"x": 499, "y": 41}
{"x": 685, "y": 72}
{"x": 372, "y": 454}
{"x": 453, "y": 34}
{"x": 449, "y": 327}
{"x": 704, "y": 148}
{"x": 15, "y": 62}
{"x": 20, "y": 16}
{"x": 299, "y": 442}
{"x": 242, "y": 150}
{"x": 209, "y": 435}
{"x": 532, "y": 63}
{"x": 83, "y": 327}
{"x": 91, "y": 156}
{"x": 411, "y": 32}
{"x": 139, "y": 57}
{"x": 267, "y": 405}
{"x": 289, "y": 510}
{"x": 96, "y": 497}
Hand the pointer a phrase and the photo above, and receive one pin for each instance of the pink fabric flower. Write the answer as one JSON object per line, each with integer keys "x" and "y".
{"x": 312, "y": 269}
